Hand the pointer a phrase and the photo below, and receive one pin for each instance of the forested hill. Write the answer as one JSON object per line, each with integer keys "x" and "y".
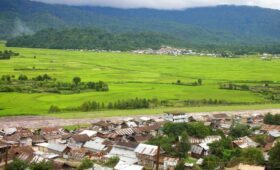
{"x": 92, "y": 38}
{"x": 221, "y": 26}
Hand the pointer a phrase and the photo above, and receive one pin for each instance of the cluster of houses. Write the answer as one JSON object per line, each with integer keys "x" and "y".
{"x": 125, "y": 139}
{"x": 223, "y": 121}
{"x": 172, "y": 51}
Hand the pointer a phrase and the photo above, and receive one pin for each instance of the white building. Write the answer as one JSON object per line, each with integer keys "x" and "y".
{"x": 176, "y": 117}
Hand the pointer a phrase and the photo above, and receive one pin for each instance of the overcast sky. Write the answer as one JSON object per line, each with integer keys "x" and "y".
{"x": 167, "y": 4}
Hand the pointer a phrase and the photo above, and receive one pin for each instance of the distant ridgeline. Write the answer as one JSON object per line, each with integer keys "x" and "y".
{"x": 92, "y": 38}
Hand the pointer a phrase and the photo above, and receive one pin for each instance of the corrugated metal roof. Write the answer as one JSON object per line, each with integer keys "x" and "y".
{"x": 245, "y": 142}
{"x": 125, "y": 155}
{"x": 92, "y": 145}
{"x": 196, "y": 149}
{"x": 146, "y": 149}
{"x": 208, "y": 139}
{"x": 126, "y": 131}
{"x": 53, "y": 146}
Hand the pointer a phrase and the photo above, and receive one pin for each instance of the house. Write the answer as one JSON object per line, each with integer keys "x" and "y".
{"x": 8, "y": 131}
{"x": 271, "y": 130}
{"x": 54, "y": 148}
{"x": 170, "y": 163}
{"x": 77, "y": 154}
{"x": 141, "y": 138}
{"x": 95, "y": 145}
{"x": 90, "y": 133}
{"x": 219, "y": 119}
{"x": 151, "y": 129}
{"x": 267, "y": 128}
{"x": 103, "y": 125}
{"x": 37, "y": 139}
{"x": 77, "y": 141}
{"x": 126, "y": 131}
{"x": 13, "y": 139}
{"x": 125, "y": 151}
{"x": 245, "y": 142}
{"x": 3, "y": 149}
{"x": 200, "y": 150}
{"x": 123, "y": 166}
{"x": 25, "y": 153}
{"x": 176, "y": 117}
{"x": 207, "y": 139}
{"x": 51, "y": 134}
{"x": 25, "y": 136}
{"x": 147, "y": 155}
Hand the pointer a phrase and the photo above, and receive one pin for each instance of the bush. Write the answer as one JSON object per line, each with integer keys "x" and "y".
{"x": 54, "y": 109}
{"x": 112, "y": 162}
{"x": 272, "y": 119}
{"x": 239, "y": 130}
{"x": 22, "y": 77}
{"x": 252, "y": 156}
{"x": 17, "y": 165}
{"x": 86, "y": 164}
{"x": 44, "y": 165}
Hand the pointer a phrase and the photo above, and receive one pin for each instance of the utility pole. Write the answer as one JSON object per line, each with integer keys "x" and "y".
{"x": 158, "y": 155}
{"x": 6, "y": 158}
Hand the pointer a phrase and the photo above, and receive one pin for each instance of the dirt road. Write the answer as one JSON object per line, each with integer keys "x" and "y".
{"x": 44, "y": 121}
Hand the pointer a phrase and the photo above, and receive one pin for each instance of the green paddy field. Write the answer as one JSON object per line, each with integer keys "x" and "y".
{"x": 131, "y": 75}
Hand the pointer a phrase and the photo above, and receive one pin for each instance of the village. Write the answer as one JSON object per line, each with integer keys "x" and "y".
{"x": 126, "y": 144}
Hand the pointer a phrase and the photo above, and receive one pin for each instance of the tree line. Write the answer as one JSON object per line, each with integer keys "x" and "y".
{"x": 195, "y": 83}
{"x": 137, "y": 103}
{"x": 46, "y": 83}
{"x": 7, "y": 54}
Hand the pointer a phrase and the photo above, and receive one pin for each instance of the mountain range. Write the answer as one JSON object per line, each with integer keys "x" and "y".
{"x": 221, "y": 25}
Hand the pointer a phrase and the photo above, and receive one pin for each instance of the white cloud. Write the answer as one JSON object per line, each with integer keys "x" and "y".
{"x": 166, "y": 4}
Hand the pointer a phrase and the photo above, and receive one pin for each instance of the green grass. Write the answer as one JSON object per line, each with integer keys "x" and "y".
{"x": 130, "y": 76}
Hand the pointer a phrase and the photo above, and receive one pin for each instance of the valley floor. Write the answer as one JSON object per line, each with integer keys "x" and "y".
{"x": 82, "y": 120}
{"x": 131, "y": 76}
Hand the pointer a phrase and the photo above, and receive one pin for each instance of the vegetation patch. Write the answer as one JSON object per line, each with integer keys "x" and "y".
{"x": 46, "y": 84}
{"x": 7, "y": 54}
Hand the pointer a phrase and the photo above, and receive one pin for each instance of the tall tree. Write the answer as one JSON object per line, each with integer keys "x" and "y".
{"x": 76, "y": 80}
{"x": 274, "y": 157}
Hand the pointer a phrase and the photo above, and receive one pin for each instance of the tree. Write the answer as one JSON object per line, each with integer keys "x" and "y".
{"x": 272, "y": 119}
{"x": 274, "y": 157}
{"x": 239, "y": 130}
{"x": 22, "y": 77}
{"x": 76, "y": 80}
{"x": 218, "y": 148}
{"x": 268, "y": 118}
{"x": 86, "y": 164}
{"x": 261, "y": 139}
{"x": 17, "y": 165}
{"x": 183, "y": 146}
{"x": 210, "y": 162}
{"x": 252, "y": 156}
{"x": 199, "y": 82}
{"x": 165, "y": 142}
